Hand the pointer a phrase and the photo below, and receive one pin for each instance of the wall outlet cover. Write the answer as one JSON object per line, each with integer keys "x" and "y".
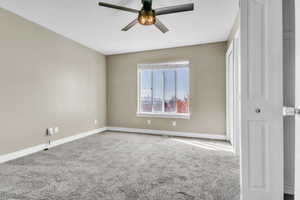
{"x": 174, "y": 123}
{"x": 96, "y": 122}
{"x": 50, "y": 131}
{"x": 56, "y": 129}
{"x": 148, "y": 121}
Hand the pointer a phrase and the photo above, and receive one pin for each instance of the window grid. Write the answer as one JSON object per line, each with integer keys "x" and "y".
{"x": 163, "y": 93}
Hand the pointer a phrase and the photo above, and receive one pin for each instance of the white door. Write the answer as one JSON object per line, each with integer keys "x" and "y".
{"x": 262, "y": 100}
{"x": 230, "y": 93}
{"x": 297, "y": 101}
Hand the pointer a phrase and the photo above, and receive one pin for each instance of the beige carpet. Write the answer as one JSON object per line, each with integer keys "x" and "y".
{"x": 120, "y": 166}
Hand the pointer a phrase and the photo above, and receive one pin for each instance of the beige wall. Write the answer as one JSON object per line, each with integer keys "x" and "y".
{"x": 46, "y": 80}
{"x": 207, "y": 88}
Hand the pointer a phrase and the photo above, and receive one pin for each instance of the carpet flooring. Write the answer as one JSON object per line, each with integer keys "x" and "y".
{"x": 121, "y": 166}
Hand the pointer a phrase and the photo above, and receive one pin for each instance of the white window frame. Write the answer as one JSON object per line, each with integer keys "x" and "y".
{"x": 166, "y": 65}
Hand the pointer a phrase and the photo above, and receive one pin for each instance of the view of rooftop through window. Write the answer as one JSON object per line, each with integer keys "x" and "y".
{"x": 164, "y": 89}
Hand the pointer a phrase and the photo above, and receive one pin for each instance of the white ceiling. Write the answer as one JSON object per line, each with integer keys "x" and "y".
{"x": 100, "y": 28}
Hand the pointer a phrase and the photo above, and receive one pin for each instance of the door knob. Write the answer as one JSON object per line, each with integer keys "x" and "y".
{"x": 258, "y": 110}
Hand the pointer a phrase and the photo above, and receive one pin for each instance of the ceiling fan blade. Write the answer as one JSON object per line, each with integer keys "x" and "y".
{"x": 117, "y": 7}
{"x": 174, "y": 9}
{"x": 161, "y": 26}
{"x": 129, "y": 26}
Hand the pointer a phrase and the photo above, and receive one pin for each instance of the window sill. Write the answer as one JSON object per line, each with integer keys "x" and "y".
{"x": 164, "y": 115}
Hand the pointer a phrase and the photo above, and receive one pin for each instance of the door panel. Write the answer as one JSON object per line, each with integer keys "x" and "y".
{"x": 262, "y": 100}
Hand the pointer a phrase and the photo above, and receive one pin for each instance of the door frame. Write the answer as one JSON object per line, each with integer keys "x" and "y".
{"x": 229, "y": 96}
{"x": 233, "y": 94}
{"x": 297, "y": 101}
{"x": 237, "y": 94}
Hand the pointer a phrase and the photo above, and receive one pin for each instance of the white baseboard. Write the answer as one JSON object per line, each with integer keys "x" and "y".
{"x": 169, "y": 133}
{"x": 21, "y": 153}
{"x": 74, "y": 137}
{"x": 288, "y": 189}
{"x": 37, "y": 148}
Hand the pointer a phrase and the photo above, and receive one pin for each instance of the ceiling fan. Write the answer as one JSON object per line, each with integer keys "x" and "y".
{"x": 147, "y": 15}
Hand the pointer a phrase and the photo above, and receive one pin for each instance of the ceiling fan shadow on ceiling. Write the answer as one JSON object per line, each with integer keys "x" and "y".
{"x": 148, "y": 16}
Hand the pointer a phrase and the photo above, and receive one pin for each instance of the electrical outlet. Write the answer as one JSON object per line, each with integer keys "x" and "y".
{"x": 50, "y": 131}
{"x": 96, "y": 122}
{"x": 148, "y": 121}
{"x": 56, "y": 130}
{"x": 174, "y": 123}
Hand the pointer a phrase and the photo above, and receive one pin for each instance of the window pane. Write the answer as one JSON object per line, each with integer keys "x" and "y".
{"x": 182, "y": 90}
{"x": 158, "y": 91}
{"x": 145, "y": 91}
{"x": 170, "y": 99}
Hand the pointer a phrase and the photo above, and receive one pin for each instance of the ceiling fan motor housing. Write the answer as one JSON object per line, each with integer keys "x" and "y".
{"x": 147, "y": 4}
{"x": 147, "y": 17}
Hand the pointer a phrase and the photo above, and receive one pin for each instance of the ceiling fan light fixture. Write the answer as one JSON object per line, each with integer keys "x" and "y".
{"x": 146, "y": 17}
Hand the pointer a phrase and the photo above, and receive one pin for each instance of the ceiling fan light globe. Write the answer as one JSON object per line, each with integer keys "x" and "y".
{"x": 146, "y": 17}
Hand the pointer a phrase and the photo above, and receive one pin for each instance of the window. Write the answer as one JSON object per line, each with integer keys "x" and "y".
{"x": 164, "y": 90}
